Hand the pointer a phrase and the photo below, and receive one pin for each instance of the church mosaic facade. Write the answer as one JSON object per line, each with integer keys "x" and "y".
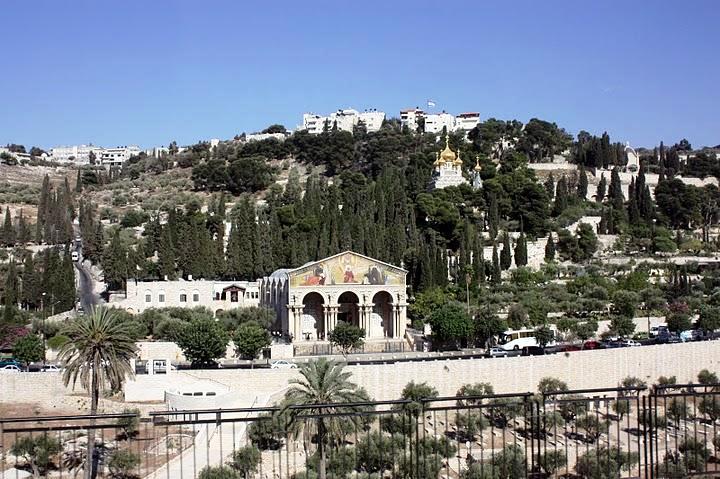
{"x": 312, "y": 299}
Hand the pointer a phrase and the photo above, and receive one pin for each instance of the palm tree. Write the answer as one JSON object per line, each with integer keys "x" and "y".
{"x": 97, "y": 355}
{"x": 321, "y": 392}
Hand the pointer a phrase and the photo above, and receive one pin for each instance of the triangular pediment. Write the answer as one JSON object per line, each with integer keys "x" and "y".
{"x": 347, "y": 267}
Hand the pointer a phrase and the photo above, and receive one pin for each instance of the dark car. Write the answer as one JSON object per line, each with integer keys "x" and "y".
{"x": 532, "y": 351}
{"x": 567, "y": 348}
{"x": 593, "y": 345}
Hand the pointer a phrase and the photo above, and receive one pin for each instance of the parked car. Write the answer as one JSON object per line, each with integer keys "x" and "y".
{"x": 567, "y": 348}
{"x": 631, "y": 343}
{"x": 592, "y": 344}
{"x": 10, "y": 368}
{"x": 533, "y": 351}
{"x": 9, "y": 362}
{"x": 50, "y": 368}
{"x": 497, "y": 352}
{"x": 282, "y": 364}
{"x": 656, "y": 331}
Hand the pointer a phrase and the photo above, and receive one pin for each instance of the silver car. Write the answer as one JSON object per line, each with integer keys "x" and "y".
{"x": 497, "y": 352}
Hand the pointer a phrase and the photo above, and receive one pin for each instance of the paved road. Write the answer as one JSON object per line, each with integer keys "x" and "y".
{"x": 86, "y": 285}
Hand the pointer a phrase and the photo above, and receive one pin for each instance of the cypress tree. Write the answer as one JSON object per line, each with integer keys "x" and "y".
{"x": 550, "y": 186}
{"x": 64, "y": 291}
{"x": 601, "y": 189}
{"x": 78, "y": 182}
{"x": 617, "y": 199}
{"x": 493, "y": 217}
{"x": 31, "y": 283}
{"x": 10, "y": 293}
{"x": 23, "y": 235}
{"x": 550, "y": 248}
{"x": 505, "y": 254}
{"x": 561, "y": 196}
{"x": 633, "y": 210}
{"x": 496, "y": 278}
{"x": 42, "y": 209}
{"x": 166, "y": 254}
{"x": 480, "y": 268}
{"x": 115, "y": 263}
{"x": 8, "y": 230}
{"x": 521, "y": 251}
{"x": 582, "y": 187}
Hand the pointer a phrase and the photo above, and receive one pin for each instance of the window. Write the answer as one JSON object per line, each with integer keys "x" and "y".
{"x": 148, "y": 298}
{"x": 233, "y": 296}
{"x": 183, "y": 298}
{"x": 161, "y": 297}
{"x": 196, "y": 297}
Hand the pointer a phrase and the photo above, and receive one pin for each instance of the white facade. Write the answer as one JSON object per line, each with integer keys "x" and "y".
{"x": 158, "y": 151}
{"x": 467, "y": 121}
{"x": 118, "y": 155}
{"x": 312, "y": 299}
{"x": 214, "y": 295}
{"x": 411, "y": 117}
{"x": 435, "y": 122}
{"x": 344, "y": 120}
{"x": 78, "y": 154}
{"x": 373, "y": 119}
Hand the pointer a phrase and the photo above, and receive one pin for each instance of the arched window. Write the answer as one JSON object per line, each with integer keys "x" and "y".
{"x": 183, "y": 296}
{"x": 148, "y": 296}
{"x": 161, "y": 296}
{"x": 196, "y": 296}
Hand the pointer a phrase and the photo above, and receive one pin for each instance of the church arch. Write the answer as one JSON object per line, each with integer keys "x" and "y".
{"x": 382, "y": 313}
{"x": 312, "y": 324}
{"x": 349, "y": 308}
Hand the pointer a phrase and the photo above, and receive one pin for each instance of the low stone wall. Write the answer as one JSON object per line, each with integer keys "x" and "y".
{"x": 32, "y": 387}
{"x": 580, "y": 369}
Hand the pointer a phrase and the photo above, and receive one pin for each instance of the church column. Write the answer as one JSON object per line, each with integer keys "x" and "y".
{"x": 363, "y": 320}
{"x": 297, "y": 323}
{"x": 402, "y": 319}
{"x": 327, "y": 320}
{"x": 395, "y": 321}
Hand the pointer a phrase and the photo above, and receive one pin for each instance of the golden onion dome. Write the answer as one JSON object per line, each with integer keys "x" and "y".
{"x": 447, "y": 155}
{"x": 477, "y": 164}
{"x": 458, "y": 161}
{"x": 438, "y": 161}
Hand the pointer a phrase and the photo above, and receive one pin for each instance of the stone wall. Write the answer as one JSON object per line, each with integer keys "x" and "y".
{"x": 580, "y": 369}
{"x": 32, "y": 387}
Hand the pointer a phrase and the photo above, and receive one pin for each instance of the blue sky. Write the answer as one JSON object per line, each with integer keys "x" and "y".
{"x": 148, "y": 72}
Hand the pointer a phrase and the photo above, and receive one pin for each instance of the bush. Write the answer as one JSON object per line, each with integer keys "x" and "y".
{"x": 245, "y": 460}
{"x": 122, "y": 462}
{"x": 218, "y": 472}
{"x": 57, "y": 341}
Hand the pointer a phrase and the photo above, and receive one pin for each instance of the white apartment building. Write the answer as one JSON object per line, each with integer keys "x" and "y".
{"x": 118, "y": 155}
{"x": 345, "y": 120}
{"x": 467, "y": 121}
{"x": 435, "y": 122}
{"x": 78, "y": 154}
{"x": 158, "y": 151}
{"x": 411, "y": 117}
